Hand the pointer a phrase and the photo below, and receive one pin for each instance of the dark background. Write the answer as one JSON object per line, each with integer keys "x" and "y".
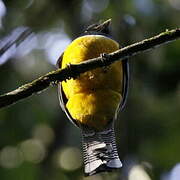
{"x": 36, "y": 139}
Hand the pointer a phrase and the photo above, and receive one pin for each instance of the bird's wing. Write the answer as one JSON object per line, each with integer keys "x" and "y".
{"x": 125, "y": 89}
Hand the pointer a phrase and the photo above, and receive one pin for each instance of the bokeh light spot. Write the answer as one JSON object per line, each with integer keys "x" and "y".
{"x": 44, "y": 134}
{"x": 129, "y": 19}
{"x": 175, "y": 173}
{"x": 10, "y": 157}
{"x": 2, "y": 12}
{"x": 145, "y": 7}
{"x": 69, "y": 158}
{"x": 175, "y": 4}
{"x": 53, "y": 43}
{"x": 33, "y": 150}
{"x": 137, "y": 172}
{"x": 95, "y": 6}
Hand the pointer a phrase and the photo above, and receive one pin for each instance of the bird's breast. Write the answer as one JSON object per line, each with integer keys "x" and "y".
{"x": 87, "y": 93}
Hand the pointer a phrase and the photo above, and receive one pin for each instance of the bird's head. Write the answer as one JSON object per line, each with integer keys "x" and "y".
{"x": 99, "y": 27}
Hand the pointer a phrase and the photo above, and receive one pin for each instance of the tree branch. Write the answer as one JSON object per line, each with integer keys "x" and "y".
{"x": 74, "y": 70}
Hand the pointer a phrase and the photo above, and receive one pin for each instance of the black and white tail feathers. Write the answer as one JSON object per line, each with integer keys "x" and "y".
{"x": 100, "y": 152}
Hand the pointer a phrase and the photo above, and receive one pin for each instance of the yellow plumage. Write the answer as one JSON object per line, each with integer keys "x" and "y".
{"x": 95, "y": 95}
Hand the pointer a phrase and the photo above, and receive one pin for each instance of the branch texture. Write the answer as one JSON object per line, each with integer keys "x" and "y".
{"x": 74, "y": 70}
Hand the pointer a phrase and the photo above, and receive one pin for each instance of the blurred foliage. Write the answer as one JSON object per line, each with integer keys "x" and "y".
{"x": 36, "y": 139}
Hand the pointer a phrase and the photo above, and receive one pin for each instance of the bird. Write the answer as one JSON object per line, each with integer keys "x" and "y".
{"x": 93, "y": 100}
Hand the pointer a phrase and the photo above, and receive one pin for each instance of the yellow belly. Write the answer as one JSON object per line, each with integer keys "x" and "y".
{"x": 94, "y": 96}
{"x": 94, "y": 109}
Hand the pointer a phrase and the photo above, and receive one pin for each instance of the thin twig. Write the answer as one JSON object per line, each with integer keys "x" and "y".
{"x": 74, "y": 70}
{"x": 27, "y": 32}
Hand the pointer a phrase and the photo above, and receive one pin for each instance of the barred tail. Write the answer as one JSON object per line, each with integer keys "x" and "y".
{"x": 100, "y": 152}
